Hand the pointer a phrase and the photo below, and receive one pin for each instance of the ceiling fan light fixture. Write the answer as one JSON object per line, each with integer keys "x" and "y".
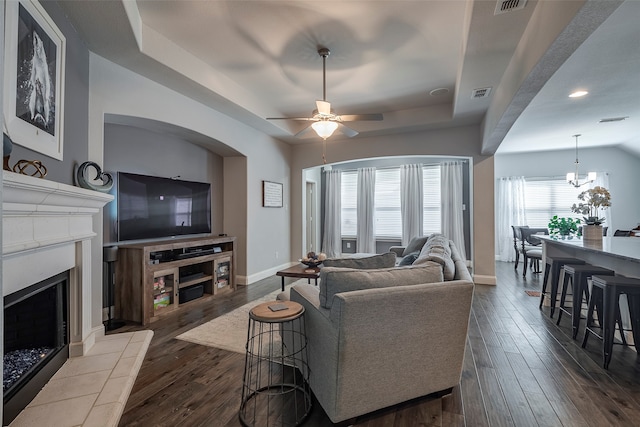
{"x": 324, "y": 128}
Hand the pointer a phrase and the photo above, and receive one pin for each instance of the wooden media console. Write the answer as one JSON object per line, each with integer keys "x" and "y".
{"x": 160, "y": 277}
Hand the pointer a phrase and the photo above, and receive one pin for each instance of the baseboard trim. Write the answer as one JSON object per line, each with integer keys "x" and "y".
{"x": 480, "y": 279}
{"x": 264, "y": 274}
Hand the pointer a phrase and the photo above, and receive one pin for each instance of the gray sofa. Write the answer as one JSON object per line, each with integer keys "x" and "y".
{"x": 379, "y": 337}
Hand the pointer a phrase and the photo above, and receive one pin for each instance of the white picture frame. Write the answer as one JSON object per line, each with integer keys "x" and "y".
{"x": 271, "y": 194}
{"x": 35, "y": 54}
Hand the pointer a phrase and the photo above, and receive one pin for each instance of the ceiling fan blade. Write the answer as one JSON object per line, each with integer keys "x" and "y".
{"x": 346, "y": 130}
{"x": 359, "y": 117}
{"x": 303, "y": 132}
{"x": 291, "y": 118}
{"x": 324, "y": 107}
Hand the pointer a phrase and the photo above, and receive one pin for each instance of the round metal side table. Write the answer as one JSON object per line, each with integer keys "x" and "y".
{"x": 275, "y": 389}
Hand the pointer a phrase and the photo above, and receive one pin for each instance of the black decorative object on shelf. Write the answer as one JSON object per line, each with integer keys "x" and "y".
{"x": 84, "y": 180}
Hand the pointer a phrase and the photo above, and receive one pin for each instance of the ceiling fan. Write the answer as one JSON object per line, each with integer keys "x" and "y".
{"x": 325, "y": 121}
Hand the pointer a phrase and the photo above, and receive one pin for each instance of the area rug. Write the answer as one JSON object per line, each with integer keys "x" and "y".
{"x": 229, "y": 331}
{"x": 533, "y": 293}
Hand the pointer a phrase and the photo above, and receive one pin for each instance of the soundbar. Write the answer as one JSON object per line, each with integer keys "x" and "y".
{"x": 193, "y": 254}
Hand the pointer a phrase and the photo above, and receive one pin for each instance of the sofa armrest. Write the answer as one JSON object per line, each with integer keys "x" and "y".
{"x": 397, "y": 344}
{"x": 398, "y": 250}
{"x": 322, "y": 342}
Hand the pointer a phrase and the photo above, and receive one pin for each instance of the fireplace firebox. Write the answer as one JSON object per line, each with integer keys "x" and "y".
{"x": 36, "y": 342}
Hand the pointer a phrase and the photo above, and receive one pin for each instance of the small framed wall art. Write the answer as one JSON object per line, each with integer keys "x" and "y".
{"x": 271, "y": 194}
{"x": 34, "y": 78}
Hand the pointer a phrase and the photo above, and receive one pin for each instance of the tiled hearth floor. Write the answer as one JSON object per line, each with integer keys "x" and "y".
{"x": 91, "y": 390}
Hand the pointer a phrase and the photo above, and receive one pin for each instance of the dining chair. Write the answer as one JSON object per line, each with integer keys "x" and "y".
{"x": 531, "y": 248}
{"x": 517, "y": 241}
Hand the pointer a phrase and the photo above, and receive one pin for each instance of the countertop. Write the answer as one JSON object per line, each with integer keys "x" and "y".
{"x": 619, "y": 247}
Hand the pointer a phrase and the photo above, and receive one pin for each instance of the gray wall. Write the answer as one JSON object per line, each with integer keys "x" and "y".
{"x": 623, "y": 169}
{"x": 458, "y": 141}
{"x": 76, "y": 102}
{"x": 263, "y": 234}
{"x": 131, "y": 149}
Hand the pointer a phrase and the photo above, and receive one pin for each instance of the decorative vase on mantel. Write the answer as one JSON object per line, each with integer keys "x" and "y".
{"x": 592, "y": 233}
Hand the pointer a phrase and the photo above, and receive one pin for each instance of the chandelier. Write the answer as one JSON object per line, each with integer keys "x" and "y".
{"x": 573, "y": 177}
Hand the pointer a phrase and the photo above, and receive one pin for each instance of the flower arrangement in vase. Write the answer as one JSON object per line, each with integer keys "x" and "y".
{"x": 595, "y": 199}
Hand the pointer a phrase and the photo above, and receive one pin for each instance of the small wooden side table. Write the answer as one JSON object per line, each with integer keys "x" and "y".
{"x": 300, "y": 271}
{"x": 275, "y": 386}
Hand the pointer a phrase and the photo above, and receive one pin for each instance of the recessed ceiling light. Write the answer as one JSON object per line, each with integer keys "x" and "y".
{"x": 578, "y": 94}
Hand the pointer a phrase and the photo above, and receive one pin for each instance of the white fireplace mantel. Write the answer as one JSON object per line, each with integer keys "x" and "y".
{"x": 38, "y": 213}
{"x": 47, "y": 228}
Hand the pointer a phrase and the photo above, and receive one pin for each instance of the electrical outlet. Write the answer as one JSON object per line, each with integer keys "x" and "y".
{"x": 276, "y": 254}
{"x": 348, "y": 245}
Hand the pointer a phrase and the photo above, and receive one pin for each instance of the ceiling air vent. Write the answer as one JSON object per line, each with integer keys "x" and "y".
{"x": 504, "y": 6}
{"x": 480, "y": 93}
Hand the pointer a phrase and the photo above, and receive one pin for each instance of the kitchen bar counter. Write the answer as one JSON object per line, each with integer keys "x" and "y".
{"x": 620, "y": 254}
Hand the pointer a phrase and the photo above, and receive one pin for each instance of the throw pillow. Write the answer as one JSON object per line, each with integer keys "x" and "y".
{"x": 437, "y": 249}
{"x": 337, "y": 280}
{"x": 408, "y": 259}
{"x": 415, "y": 244}
{"x": 375, "y": 261}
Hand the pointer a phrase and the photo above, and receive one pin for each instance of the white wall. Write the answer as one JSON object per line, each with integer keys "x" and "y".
{"x": 623, "y": 169}
{"x": 116, "y": 90}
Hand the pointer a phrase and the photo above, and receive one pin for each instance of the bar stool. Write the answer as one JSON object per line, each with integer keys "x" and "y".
{"x": 578, "y": 273}
{"x": 553, "y": 265}
{"x": 611, "y": 289}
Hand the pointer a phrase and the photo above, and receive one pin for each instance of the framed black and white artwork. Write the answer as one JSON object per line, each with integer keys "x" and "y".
{"x": 34, "y": 78}
{"x": 271, "y": 194}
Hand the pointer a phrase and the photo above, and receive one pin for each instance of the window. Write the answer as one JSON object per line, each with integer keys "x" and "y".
{"x": 431, "y": 201}
{"x": 388, "y": 219}
{"x": 545, "y": 198}
{"x": 348, "y": 203}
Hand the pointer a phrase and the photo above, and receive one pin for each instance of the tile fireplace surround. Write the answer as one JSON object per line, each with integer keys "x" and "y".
{"x": 47, "y": 228}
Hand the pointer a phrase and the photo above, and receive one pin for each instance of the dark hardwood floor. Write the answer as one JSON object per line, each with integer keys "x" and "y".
{"x": 520, "y": 369}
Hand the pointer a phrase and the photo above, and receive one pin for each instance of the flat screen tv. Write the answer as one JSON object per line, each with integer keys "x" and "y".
{"x": 151, "y": 207}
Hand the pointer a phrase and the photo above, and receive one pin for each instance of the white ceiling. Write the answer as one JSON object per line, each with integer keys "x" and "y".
{"x": 258, "y": 59}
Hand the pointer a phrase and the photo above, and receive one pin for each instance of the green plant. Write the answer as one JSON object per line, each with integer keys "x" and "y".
{"x": 563, "y": 226}
{"x": 595, "y": 198}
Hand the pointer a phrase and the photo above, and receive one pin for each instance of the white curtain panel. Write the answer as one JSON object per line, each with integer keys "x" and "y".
{"x": 366, "y": 235}
{"x": 510, "y": 210}
{"x": 602, "y": 180}
{"x": 332, "y": 238}
{"x": 451, "y": 175}
{"x": 411, "y": 202}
